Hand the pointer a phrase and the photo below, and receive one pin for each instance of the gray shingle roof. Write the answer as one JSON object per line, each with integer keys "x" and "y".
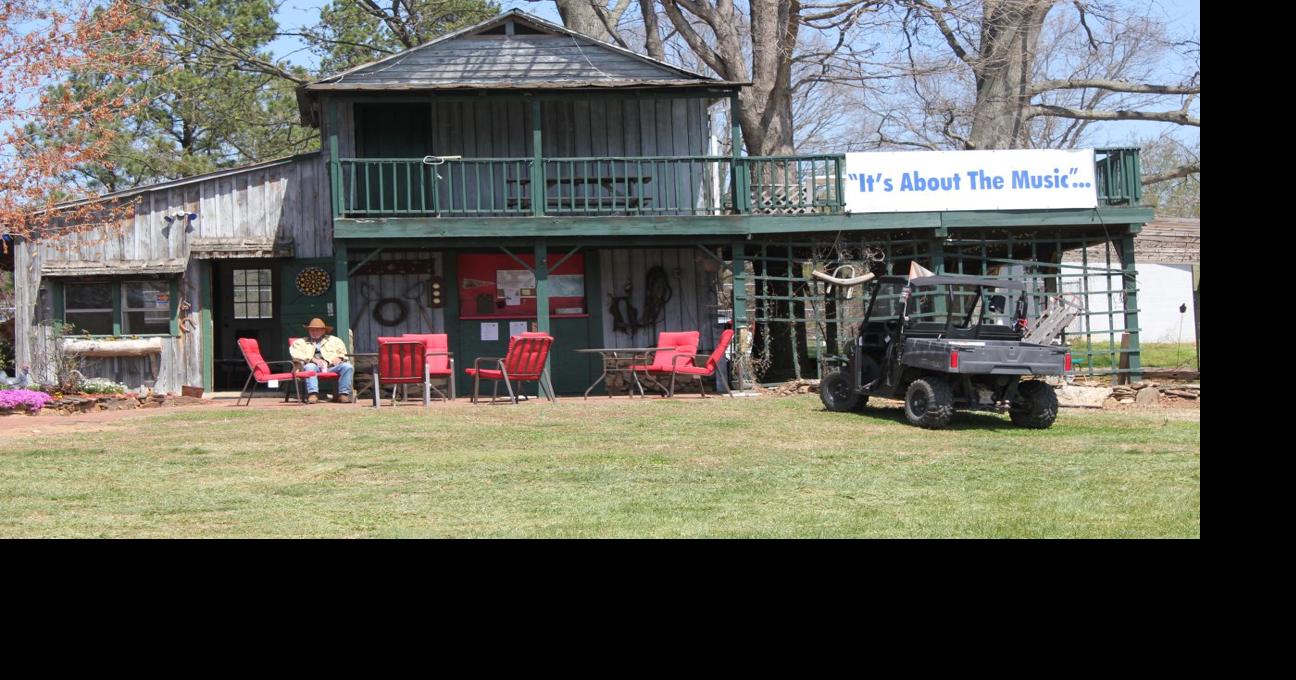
{"x": 551, "y": 58}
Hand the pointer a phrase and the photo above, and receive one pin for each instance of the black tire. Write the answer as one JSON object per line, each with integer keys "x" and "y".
{"x": 1036, "y": 405}
{"x": 837, "y": 394}
{"x": 929, "y": 402}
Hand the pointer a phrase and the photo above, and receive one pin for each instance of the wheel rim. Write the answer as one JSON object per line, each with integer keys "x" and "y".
{"x": 918, "y": 404}
{"x": 839, "y": 390}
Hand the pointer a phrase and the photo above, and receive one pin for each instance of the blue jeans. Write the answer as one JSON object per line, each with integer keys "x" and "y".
{"x": 344, "y": 371}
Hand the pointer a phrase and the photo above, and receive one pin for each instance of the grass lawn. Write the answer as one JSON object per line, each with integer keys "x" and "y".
{"x": 1151, "y": 354}
{"x": 763, "y": 467}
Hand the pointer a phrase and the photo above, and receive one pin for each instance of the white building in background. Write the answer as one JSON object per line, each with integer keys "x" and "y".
{"x": 1167, "y": 254}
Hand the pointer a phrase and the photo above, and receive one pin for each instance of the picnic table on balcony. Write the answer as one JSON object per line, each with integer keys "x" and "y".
{"x": 610, "y": 182}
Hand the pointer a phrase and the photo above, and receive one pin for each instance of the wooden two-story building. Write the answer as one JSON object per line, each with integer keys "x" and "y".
{"x": 510, "y": 175}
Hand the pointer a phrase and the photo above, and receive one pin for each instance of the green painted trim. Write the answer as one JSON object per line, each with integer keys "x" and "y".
{"x": 174, "y": 297}
{"x": 1045, "y": 218}
{"x": 206, "y": 326}
{"x": 117, "y": 307}
{"x": 342, "y": 294}
{"x": 57, "y": 292}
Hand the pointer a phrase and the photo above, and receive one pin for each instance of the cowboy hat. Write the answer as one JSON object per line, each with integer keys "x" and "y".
{"x": 318, "y": 323}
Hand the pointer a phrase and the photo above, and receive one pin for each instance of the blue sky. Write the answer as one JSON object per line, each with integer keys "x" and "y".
{"x": 1179, "y": 15}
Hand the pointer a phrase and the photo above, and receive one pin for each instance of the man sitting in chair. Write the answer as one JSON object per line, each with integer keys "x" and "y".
{"x": 322, "y": 352}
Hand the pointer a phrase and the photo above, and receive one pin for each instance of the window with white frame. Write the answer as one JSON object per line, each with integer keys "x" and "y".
{"x": 253, "y": 294}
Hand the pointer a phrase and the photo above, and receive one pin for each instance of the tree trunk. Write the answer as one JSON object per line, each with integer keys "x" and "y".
{"x": 767, "y": 105}
{"x": 579, "y": 16}
{"x": 1010, "y": 31}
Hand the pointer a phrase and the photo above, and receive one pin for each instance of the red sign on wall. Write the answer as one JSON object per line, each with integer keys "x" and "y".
{"x": 496, "y": 286}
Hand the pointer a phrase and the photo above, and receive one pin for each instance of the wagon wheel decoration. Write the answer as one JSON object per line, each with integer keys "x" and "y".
{"x": 313, "y": 281}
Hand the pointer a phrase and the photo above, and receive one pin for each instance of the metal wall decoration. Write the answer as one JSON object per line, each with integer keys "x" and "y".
{"x": 313, "y": 281}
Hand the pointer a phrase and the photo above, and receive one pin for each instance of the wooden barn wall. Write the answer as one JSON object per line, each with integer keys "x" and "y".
{"x": 692, "y": 305}
{"x": 288, "y": 202}
{"x": 368, "y": 289}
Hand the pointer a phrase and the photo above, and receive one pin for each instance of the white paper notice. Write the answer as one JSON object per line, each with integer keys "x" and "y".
{"x": 489, "y": 331}
{"x": 517, "y": 328}
{"x": 272, "y": 384}
{"x": 512, "y": 297}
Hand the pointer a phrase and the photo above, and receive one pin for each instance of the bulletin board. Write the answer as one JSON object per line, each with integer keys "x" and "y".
{"x": 495, "y": 286}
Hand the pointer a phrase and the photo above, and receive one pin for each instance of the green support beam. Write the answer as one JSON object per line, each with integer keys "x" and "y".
{"x": 542, "y": 300}
{"x": 174, "y": 297}
{"x": 738, "y": 270}
{"x": 720, "y": 225}
{"x": 206, "y": 326}
{"x": 342, "y": 294}
{"x": 1130, "y": 279}
{"x": 538, "y": 190}
{"x": 335, "y": 165}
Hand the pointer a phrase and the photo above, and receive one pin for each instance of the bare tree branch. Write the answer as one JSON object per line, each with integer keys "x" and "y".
{"x": 1176, "y": 173}
{"x": 1177, "y": 117}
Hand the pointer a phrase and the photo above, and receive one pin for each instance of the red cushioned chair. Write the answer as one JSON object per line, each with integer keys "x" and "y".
{"x": 440, "y": 360}
{"x": 670, "y": 346}
{"x": 261, "y": 371}
{"x": 524, "y": 362}
{"x": 325, "y": 375}
{"x": 402, "y": 361}
{"x": 682, "y": 364}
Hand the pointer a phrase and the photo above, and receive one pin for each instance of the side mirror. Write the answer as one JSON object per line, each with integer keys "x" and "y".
{"x": 997, "y": 304}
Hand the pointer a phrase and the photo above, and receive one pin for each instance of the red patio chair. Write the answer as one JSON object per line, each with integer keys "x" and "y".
{"x": 670, "y": 344}
{"x": 685, "y": 365}
{"x": 260, "y": 371}
{"x": 402, "y": 361}
{"x": 440, "y": 360}
{"x": 324, "y": 375}
{"x": 524, "y": 362}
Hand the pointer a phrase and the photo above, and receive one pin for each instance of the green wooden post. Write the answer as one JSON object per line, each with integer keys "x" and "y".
{"x": 335, "y": 165}
{"x": 116, "y": 288}
{"x": 342, "y": 294}
{"x": 206, "y": 326}
{"x": 937, "y": 246}
{"x": 59, "y": 303}
{"x": 538, "y": 191}
{"x": 738, "y": 269}
{"x": 1130, "y": 280}
{"x": 542, "y": 285}
{"x": 542, "y": 297}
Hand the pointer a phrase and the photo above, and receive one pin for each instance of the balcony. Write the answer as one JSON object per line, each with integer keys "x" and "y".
{"x": 588, "y": 187}
{"x": 646, "y": 186}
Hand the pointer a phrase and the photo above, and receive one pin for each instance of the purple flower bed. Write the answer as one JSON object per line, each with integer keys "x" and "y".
{"x": 23, "y": 399}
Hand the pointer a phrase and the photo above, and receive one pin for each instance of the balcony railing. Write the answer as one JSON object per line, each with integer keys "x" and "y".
{"x": 1119, "y": 176}
{"x": 587, "y": 187}
{"x": 629, "y": 186}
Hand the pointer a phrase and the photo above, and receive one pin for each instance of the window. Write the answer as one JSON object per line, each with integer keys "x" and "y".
{"x": 89, "y": 307}
{"x": 117, "y": 307}
{"x": 253, "y": 294}
{"x": 146, "y": 307}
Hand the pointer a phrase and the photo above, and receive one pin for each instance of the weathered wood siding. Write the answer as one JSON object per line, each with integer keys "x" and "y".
{"x": 368, "y": 289}
{"x": 594, "y": 127}
{"x": 284, "y": 202}
{"x": 692, "y": 305}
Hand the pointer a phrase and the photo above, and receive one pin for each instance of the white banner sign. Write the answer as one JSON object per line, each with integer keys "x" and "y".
{"x": 921, "y": 181}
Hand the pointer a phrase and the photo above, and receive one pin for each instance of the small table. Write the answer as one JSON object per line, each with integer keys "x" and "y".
{"x": 619, "y": 360}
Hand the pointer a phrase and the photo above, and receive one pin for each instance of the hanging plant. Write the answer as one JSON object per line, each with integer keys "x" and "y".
{"x": 313, "y": 281}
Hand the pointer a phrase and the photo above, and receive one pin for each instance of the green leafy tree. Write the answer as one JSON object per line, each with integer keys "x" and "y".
{"x": 353, "y": 32}
{"x": 204, "y": 109}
